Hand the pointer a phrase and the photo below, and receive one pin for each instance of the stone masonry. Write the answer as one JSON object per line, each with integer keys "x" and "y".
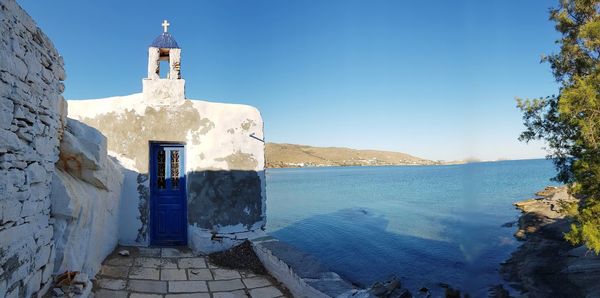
{"x": 32, "y": 112}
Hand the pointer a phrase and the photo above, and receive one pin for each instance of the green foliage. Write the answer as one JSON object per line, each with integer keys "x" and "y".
{"x": 570, "y": 121}
{"x": 570, "y": 209}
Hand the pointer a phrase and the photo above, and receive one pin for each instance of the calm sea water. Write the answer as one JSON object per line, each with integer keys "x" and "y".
{"x": 426, "y": 224}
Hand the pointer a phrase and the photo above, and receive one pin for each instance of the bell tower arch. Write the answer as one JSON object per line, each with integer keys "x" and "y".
{"x": 171, "y": 87}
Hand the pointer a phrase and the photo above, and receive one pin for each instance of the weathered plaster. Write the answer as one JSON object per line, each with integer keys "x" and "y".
{"x": 240, "y": 161}
{"x": 129, "y": 133}
{"x": 224, "y": 165}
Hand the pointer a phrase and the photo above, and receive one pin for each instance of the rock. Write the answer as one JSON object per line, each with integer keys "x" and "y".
{"x": 124, "y": 253}
{"x": 78, "y": 288}
{"x": 86, "y": 191}
{"x": 57, "y": 292}
{"x": 545, "y": 265}
{"x": 388, "y": 289}
{"x": 83, "y": 152}
{"x": 452, "y": 293}
{"x": 498, "y": 291}
{"x": 81, "y": 278}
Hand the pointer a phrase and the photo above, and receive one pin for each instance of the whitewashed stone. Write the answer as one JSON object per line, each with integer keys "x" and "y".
{"x": 42, "y": 257}
{"x": 11, "y": 210}
{"x": 36, "y": 173}
{"x": 9, "y": 141}
{"x": 33, "y": 284}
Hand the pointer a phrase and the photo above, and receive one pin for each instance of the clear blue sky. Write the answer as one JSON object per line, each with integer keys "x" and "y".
{"x": 436, "y": 79}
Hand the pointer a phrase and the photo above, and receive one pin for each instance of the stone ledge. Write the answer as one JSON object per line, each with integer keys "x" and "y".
{"x": 300, "y": 272}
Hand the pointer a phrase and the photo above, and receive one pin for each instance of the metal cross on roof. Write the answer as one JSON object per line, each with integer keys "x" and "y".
{"x": 165, "y": 25}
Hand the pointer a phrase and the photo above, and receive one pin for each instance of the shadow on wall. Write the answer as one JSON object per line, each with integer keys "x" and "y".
{"x": 218, "y": 201}
{"x": 134, "y": 220}
{"x": 221, "y": 198}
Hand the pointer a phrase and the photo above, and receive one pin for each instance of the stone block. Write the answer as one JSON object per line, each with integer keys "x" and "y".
{"x": 111, "y": 284}
{"x": 144, "y": 273}
{"x": 44, "y": 236}
{"x": 175, "y": 253}
{"x": 104, "y": 293}
{"x": 47, "y": 273}
{"x": 6, "y": 110}
{"x": 29, "y": 208}
{"x": 173, "y": 274}
{"x": 199, "y": 274}
{"x": 188, "y": 295}
{"x": 3, "y": 288}
{"x": 34, "y": 283}
{"x": 42, "y": 257}
{"x": 256, "y": 282}
{"x": 114, "y": 271}
{"x": 36, "y": 173}
{"x": 147, "y": 286}
{"x": 187, "y": 286}
{"x": 14, "y": 293}
{"x": 140, "y": 295}
{"x": 233, "y": 294}
{"x": 191, "y": 263}
{"x": 225, "y": 285}
{"x": 16, "y": 177}
{"x": 9, "y": 141}
{"x": 154, "y": 263}
{"x": 11, "y": 210}
{"x": 15, "y": 234}
{"x": 149, "y": 252}
{"x": 225, "y": 274}
{"x": 268, "y": 292}
{"x": 119, "y": 261}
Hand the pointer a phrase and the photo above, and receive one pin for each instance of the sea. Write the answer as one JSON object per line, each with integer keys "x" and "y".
{"x": 428, "y": 225}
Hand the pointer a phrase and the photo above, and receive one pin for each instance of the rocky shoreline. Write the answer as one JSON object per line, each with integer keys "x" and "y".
{"x": 546, "y": 265}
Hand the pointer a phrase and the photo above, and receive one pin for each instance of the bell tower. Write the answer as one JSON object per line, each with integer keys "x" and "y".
{"x": 169, "y": 89}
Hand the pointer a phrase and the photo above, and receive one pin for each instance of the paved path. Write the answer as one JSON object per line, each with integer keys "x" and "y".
{"x": 176, "y": 272}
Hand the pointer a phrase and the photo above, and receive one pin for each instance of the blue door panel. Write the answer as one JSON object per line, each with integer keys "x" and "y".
{"x": 168, "y": 206}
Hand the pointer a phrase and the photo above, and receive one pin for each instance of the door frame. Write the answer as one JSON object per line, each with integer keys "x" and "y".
{"x": 152, "y": 164}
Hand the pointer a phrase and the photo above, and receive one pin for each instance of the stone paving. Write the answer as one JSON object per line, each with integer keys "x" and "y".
{"x": 177, "y": 273}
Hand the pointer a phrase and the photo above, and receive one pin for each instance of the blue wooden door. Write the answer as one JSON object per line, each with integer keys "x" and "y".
{"x": 168, "y": 215}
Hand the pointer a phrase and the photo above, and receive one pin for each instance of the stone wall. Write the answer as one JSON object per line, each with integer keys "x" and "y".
{"x": 32, "y": 111}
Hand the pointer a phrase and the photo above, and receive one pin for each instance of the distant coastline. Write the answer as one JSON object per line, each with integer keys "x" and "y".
{"x": 304, "y": 156}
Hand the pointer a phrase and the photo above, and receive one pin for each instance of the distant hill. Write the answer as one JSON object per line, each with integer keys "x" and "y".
{"x": 296, "y": 156}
